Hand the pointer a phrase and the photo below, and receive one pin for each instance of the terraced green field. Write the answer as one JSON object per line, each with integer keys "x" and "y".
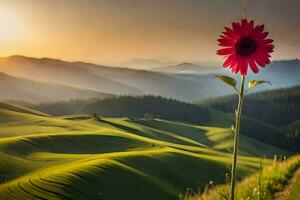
{"x": 86, "y": 158}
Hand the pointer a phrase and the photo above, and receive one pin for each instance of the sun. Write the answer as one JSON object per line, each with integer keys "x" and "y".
{"x": 10, "y": 24}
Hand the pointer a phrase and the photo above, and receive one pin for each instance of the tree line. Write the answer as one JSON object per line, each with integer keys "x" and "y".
{"x": 130, "y": 106}
{"x": 270, "y": 116}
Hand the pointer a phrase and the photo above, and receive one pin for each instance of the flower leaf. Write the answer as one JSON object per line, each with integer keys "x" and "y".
{"x": 254, "y": 83}
{"x": 228, "y": 80}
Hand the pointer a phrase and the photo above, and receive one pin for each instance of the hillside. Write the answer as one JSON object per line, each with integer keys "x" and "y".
{"x": 80, "y": 157}
{"x": 276, "y": 107}
{"x": 280, "y": 73}
{"x": 51, "y": 70}
{"x": 129, "y": 106}
{"x": 15, "y": 88}
{"x": 169, "y": 109}
{"x": 187, "y": 68}
{"x": 123, "y": 81}
{"x": 113, "y": 80}
{"x": 280, "y": 181}
{"x": 144, "y": 63}
{"x": 20, "y": 109}
{"x": 279, "y": 109}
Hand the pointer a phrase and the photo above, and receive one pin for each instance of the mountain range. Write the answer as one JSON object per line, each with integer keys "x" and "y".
{"x": 21, "y": 89}
{"x": 168, "y": 81}
{"x": 187, "y": 68}
{"x": 144, "y": 63}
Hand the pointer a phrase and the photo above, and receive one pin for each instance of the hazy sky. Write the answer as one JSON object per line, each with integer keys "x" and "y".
{"x": 115, "y": 30}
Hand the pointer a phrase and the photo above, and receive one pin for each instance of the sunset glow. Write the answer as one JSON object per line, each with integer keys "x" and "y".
{"x": 109, "y": 31}
{"x": 10, "y": 25}
{"x": 149, "y": 99}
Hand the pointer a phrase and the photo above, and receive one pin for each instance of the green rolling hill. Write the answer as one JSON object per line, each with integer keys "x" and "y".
{"x": 259, "y": 120}
{"x": 88, "y": 157}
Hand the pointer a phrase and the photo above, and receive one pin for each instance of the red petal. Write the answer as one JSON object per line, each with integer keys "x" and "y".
{"x": 251, "y": 24}
{"x": 237, "y": 28}
{"x": 257, "y": 31}
{"x": 246, "y": 27}
{"x": 266, "y": 49}
{"x": 229, "y": 32}
{"x": 259, "y": 28}
{"x": 267, "y": 60}
{"x": 234, "y": 68}
{"x": 267, "y": 41}
{"x": 243, "y": 67}
{"x": 225, "y": 51}
{"x": 226, "y": 42}
{"x": 228, "y": 61}
{"x": 264, "y": 35}
{"x": 253, "y": 66}
{"x": 260, "y": 61}
{"x": 244, "y": 23}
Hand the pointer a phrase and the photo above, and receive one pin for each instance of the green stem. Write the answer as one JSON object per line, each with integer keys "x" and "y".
{"x": 259, "y": 179}
{"x": 236, "y": 138}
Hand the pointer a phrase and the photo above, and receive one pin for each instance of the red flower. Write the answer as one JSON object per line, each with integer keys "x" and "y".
{"x": 245, "y": 45}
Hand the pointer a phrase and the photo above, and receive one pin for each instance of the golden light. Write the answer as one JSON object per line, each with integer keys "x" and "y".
{"x": 10, "y": 24}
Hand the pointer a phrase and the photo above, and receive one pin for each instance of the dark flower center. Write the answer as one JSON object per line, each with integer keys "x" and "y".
{"x": 245, "y": 46}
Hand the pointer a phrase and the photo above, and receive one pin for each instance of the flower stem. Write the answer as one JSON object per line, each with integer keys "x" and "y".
{"x": 236, "y": 138}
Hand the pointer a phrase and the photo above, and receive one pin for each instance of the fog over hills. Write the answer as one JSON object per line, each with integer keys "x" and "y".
{"x": 186, "y": 81}
{"x": 112, "y": 80}
{"x": 187, "y": 68}
{"x": 58, "y": 71}
{"x": 20, "y": 89}
{"x": 142, "y": 63}
{"x": 280, "y": 73}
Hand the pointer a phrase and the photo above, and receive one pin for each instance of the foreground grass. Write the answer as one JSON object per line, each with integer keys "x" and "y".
{"x": 294, "y": 192}
{"x": 260, "y": 186}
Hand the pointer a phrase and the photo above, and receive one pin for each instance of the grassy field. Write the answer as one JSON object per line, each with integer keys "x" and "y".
{"x": 294, "y": 190}
{"x": 83, "y": 157}
{"x": 264, "y": 185}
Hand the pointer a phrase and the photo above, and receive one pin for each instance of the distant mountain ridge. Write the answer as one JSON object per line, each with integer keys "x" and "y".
{"x": 118, "y": 81}
{"x": 70, "y": 73}
{"x": 186, "y": 68}
{"x": 142, "y": 63}
{"x": 184, "y": 86}
{"x": 20, "y": 89}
